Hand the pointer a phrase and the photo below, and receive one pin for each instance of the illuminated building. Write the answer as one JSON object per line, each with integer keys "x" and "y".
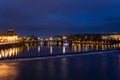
{"x": 10, "y": 37}
{"x": 87, "y": 38}
{"x": 111, "y": 37}
{"x": 29, "y": 39}
{"x": 10, "y": 32}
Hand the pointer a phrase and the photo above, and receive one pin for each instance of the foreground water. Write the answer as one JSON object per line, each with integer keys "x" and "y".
{"x": 98, "y": 66}
{"x": 84, "y": 65}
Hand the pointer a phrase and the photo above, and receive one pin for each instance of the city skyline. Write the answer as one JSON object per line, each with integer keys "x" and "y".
{"x": 49, "y": 18}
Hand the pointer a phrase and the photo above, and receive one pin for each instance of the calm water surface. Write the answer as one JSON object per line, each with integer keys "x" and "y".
{"x": 39, "y": 50}
{"x": 103, "y": 65}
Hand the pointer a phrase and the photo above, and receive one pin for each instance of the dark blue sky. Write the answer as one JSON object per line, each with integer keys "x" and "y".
{"x": 56, "y": 17}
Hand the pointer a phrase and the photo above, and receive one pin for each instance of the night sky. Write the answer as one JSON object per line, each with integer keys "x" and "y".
{"x": 58, "y": 17}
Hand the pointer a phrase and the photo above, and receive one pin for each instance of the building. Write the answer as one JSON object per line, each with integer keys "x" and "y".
{"x": 10, "y": 32}
{"x": 10, "y": 37}
{"x": 115, "y": 36}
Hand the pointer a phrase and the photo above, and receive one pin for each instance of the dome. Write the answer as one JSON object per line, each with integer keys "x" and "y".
{"x": 10, "y": 32}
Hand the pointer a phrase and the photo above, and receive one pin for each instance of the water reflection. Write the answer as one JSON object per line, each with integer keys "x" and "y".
{"x": 51, "y": 49}
{"x": 10, "y": 52}
{"x": 64, "y": 69}
{"x": 69, "y": 68}
{"x": 9, "y": 71}
{"x": 37, "y": 50}
{"x": 89, "y": 47}
{"x": 64, "y": 49}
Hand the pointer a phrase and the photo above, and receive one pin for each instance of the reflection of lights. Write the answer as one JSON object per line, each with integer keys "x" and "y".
{"x": 114, "y": 45}
{"x": 28, "y": 48}
{"x": 108, "y": 46}
{"x": 0, "y": 56}
{"x": 103, "y": 48}
{"x": 75, "y": 48}
{"x": 16, "y": 50}
{"x": 92, "y": 45}
{"x": 51, "y": 49}
{"x": 13, "y": 52}
{"x": 10, "y": 52}
{"x": 2, "y": 52}
{"x": 59, "y": 43}
{"x": 64, "y": 50}
{"x": 79, "y": 47}
{"x": 41, "y": 43}
{"x": 97, "y": 46}
{"x": 86, "y": 48}
{"x": 7, "y": 53}
{"x": 64, "y": 68}
{"x": 8, "y": 69}
{"x": 38, "y": 48}
{"x": 119, "y": 45}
